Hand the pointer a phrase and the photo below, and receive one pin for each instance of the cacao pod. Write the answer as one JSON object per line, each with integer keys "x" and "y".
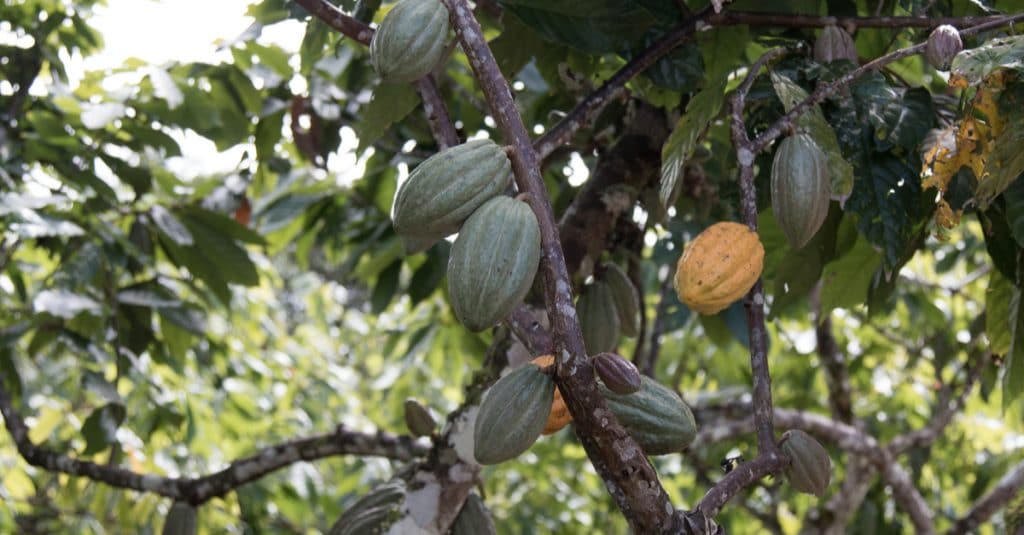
{"x": 493, "y": 262}
{"x": 617, "y": 373}
{"x": 810, "y": 468}
{"x": 834, "y": 43}
{"x": 410, "y": 41}
{"x": 374, "y": 512}
{"x": 654, "y": 416}
{"x": 718, "y": 267}
{"x": 418, "y": 419}
{"x": 599, "y": 318}
{"x": 445, "y": 189}
{"x": 474, "y": 518}
{"x": 801, "y": 188}
{"x": 181, "y": 520}
{"x": 559, "y": 416}
{"x": 627, "y": 299}
{"x": 944, "y": 44}
{"x": 512, "y": 415}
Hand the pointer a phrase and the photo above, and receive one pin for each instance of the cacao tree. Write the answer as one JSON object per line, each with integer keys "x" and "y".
{"x": 512, "y": 266}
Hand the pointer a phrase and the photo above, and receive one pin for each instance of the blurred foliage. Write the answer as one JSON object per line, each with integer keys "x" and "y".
{"x": 171, "y": 323}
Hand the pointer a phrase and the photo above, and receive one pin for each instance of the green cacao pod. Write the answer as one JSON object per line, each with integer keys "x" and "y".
{"x": 627, "y": 299}
{"x": 181, "y": 520}
{"x": 445, "y": 189}
{"x": 944, "y": 44}
{"x": 512, "y": 415}
{"x": 833, "y": 44}
{"x": 410, "y": 41}
{"x": 418, "y": 419}
{"x": 599, "y": 318}
{"x": 374, "y": 512}
{"x": 474, "y": 518}
{"x": 617, "y": 373}
{"x": 801, "y": 188}
{"x": 655, "y": 416}
{"x": 493, "y": 262}
{"x": 809, "y": 469}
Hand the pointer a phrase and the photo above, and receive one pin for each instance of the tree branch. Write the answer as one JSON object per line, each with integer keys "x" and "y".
{"x": 824, "y": 90}
{"x": 987, "y": 505}
{"x": 523, "y": 323}
{"x": 202, "y": 489}
{"x": 626, "y": 472}
{"x": 789, "y": 20}
{"x": 754, "y": 303}
{"x": 588, "y": 108}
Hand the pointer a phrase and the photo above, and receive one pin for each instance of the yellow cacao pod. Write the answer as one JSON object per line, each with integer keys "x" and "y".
{"x": 559, "y": 416}
{"x": 719, "y": 267}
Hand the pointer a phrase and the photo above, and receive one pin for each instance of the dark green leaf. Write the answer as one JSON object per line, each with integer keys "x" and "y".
{"x": 170, "y": 226}
{"x": 976, "y": 64}
{"x": 1013, "y": 373}
{"x": 100, "y": 428}
{"x": 429, "y": 274}
{"x": 846, "y": 279}
{"x": 596, "y": 26}
{"x": 384, "y": 290}
{"x": 390, "y": 104}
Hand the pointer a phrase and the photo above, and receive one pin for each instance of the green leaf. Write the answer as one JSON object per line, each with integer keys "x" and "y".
{"x": 100, "y": 428}
{"x": 889, "y": 202}
{"x": 814, "y": 123}
{"x": 974, "y": 65}
{"x": 65, "y": 303}
{"x": 390, "y": 104}
{"x": 595, "y": 26}
{"x": 384, "y": 290}
{"x": 679, "y": 147}
{"x": 1014, "y": 197}
{"x": 1006, "y": 162}
{"x": 426, "y": 278}
{"x": 170, "y": 226}
{"x": 1013, "y": 374}
{"x": 516, "y": 46}
{"x": 222, "y": 224}
{"x": 997, "y": 313}
{"x": 846, "y": 280}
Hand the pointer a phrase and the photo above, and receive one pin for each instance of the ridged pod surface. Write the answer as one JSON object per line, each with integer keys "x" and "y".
{"x": 654, "y": 416}
{"x": 834, "y": 43}
{"x": 446, "y": 189}
{"x": 599, "y": 318}
{"x": 617, "y": 373}
{"x": 810, "y": 468}
{"x": 410, "y": 41}
{"x": 493, "y": 262}
{"x": 474, "y": 518}
{"x": 718, "y": 267}
{"x": 372, "y": 513}
{"x": 801, "y": 188}
{"x": 944, "y": 43}
{"x": 512, "y": 415}
{"x": 627, "y": 299}
{"x": 559, "y": 416}
{"x": 181, "y": 520}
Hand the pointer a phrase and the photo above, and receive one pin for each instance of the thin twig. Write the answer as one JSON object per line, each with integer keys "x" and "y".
{"x": 589, "y": 107}
{"x": 627, "y": 474}
{"x": 202, "y": 489}
{"x": 789, "y": 20}
{"x": 987, "y": 505}
{"x": 754, "y": 303}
